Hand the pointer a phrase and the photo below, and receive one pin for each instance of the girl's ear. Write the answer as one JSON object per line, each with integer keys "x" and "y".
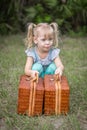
{"x": 35, "y": 40}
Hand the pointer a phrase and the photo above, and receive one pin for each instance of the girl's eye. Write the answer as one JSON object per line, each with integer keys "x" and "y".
{"x": 50, "y": 39}
{"x": 43, "y": 39}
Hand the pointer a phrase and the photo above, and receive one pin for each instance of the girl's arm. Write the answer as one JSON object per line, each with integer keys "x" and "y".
{"x": 59, "y": 66}
{"x": 28, "y": 67}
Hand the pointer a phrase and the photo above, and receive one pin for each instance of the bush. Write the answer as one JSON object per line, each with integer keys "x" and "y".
{"x": 69, "y": 14}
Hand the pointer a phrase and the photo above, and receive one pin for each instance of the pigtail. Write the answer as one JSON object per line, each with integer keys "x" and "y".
{"x": 56, "y": 33}
{"x": 29, "y": 38}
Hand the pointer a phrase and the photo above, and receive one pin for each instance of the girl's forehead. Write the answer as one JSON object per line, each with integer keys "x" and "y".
{"x": 45, "y": 35}
{"x": 45, "y": 32}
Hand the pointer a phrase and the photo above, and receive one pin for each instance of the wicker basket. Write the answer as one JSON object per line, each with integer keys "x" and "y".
{"x": 56, "y": 100}
{"x": 30, "y": 96}
{"x": 48, "y": 96}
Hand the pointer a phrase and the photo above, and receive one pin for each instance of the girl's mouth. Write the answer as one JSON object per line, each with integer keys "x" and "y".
{"x": 47, "y": 46}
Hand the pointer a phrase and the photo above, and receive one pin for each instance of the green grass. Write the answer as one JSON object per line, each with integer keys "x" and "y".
{"x": 12, "y": 61}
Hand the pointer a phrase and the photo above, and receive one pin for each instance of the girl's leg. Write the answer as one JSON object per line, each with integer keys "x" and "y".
{"x": 51, "y": 69}
{"x": 38, "y": 67}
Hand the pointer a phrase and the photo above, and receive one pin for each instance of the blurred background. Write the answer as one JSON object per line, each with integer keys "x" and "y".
{"x": 71, "y": 15}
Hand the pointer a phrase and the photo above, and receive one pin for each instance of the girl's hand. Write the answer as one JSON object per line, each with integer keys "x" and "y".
{"x": 34, "y": 73}
{"x": 59, "y": 72}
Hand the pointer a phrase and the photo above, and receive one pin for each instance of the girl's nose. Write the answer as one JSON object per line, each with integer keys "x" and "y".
{"x": 47, "y": 41}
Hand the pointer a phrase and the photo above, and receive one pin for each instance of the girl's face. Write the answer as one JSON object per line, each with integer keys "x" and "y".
{"x": 44, "y": 40}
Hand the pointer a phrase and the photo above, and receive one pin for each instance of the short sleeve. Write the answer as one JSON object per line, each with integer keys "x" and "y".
{"x": 54, "y": 53}
{"x": 30, "y": 52}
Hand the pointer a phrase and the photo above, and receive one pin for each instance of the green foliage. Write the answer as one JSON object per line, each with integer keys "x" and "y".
{"x": 45, "y": 18}
{"x": 82, "y": 32}
{"x": 9, "y": 16}
{"x": 69, "y": 14}
{"x": 50, "y": 3}
{"x": 30, "y": 13}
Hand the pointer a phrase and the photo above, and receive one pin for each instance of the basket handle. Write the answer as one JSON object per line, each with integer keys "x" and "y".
{"x": 36, "y": 78}
{"x": 56, "y": 77}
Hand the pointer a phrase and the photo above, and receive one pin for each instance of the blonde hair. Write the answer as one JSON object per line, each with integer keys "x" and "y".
{"x": 32, "y": 31}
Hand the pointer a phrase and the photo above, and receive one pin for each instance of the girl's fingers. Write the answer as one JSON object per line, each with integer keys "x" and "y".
{"x": 35, "y": 75}
{"x": 58, "y": 71}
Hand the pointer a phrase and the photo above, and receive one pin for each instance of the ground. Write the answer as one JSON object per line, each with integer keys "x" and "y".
{"x": 12, "y": 61}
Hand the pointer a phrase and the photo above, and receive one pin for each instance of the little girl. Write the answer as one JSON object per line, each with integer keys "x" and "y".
{"x": 42, "y": 52}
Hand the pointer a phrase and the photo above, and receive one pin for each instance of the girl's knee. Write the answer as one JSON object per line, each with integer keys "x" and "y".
{"x": 51, "y": 69}
{"x": 52, "y": 66}
{"x": 38, "y": 67}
